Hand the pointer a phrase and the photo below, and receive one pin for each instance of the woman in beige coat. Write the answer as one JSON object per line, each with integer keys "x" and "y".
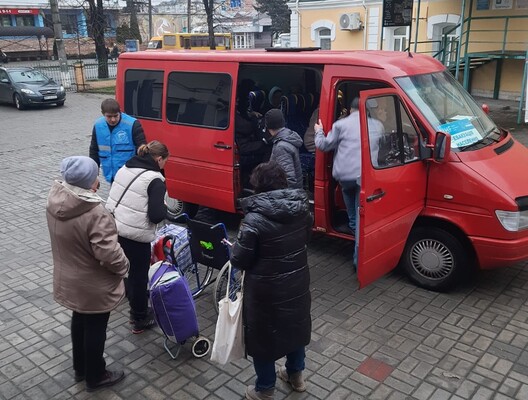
{"x": 89, "y": 266}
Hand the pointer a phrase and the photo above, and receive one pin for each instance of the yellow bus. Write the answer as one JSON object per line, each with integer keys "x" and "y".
{"x": 194, "y": 41}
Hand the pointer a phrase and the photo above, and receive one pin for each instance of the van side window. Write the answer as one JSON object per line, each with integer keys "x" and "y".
{"x": 398, "y": 143}
{"x": 143, "y": 93}
{"x": 200, "y": 99}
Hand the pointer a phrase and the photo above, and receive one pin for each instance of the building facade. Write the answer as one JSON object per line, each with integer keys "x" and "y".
{"x": 487, "y": 52}
{"x": 74, "y": 22}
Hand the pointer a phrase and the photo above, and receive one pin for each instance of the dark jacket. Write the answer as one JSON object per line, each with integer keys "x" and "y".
{"x": 285, "y": 152}
{"x": 271, "y": 248}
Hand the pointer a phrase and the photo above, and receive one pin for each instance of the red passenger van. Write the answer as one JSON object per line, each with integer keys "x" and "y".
{"x": 443, "y": 190}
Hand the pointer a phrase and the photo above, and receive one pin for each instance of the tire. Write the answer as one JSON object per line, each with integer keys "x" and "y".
{"x": 177, "y": 207}
{"x": 201, "y": 347}
{"x": 60, "y": 103}
{"x": 18, "y": 102}
{"x": 220, "y": 288}
{"x": 198, "y": 276}
{"x": 434, "y": 258}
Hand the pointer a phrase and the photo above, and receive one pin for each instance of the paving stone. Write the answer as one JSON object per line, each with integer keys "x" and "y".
{"x": 468, "y": 343}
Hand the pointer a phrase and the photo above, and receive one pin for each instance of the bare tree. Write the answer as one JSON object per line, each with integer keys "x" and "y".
{"x": 209, "y": 12}
{"x": 97, "y": 21}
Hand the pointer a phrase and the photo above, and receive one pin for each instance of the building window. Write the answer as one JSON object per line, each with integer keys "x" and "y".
{"x": 5, "y": 20}
{"x": 325, "y": 38}
{"x": 323, "y": 34}
{"x": 69, "y": 23}
{"x": 143, "y": 93}
{"x": 25, "y": 20}
{"x": 400, "y": 39}
{"x": 244, "y": 40}
{"x": 200, "y": 99}
{"x": 397, "y": 38}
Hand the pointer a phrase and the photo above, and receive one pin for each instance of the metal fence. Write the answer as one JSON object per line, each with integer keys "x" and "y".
{"x": 68, "y": 80}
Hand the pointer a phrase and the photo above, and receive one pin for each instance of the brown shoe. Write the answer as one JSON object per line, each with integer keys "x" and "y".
{"x": 252, "y": 394}
{"x": 295, "y": 380}
{"x": 109, "y": 378}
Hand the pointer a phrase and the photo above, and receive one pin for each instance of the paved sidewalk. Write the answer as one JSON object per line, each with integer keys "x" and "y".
{"x": 390, "y": 340}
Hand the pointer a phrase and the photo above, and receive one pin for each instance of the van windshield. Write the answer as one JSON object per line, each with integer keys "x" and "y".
{"x": 154, "y": 44}
{"x": 450, "y": 109}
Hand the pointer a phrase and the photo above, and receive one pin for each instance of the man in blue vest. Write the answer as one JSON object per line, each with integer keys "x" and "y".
{"x": 116, "y": 137}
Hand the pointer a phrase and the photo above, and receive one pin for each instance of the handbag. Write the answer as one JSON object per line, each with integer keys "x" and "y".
{"x": 228, "y": 343}
{"x": 124, "y": 191}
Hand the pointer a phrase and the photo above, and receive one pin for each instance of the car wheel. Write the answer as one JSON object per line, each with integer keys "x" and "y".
{"x": 18, "y": 102}
{"x": 434, "y": 258}
{"x": 177, "y": 207}
{"x": 60, "y": 103}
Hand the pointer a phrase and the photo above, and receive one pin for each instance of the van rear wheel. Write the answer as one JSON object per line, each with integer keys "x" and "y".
{"x": 177, "y": 207}
{"x": 434, "y": 258}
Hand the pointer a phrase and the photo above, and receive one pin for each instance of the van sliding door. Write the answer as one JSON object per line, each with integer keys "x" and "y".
{"x": 198, "y": 115}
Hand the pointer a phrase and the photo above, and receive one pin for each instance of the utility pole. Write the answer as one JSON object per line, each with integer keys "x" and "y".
{"x": 57, "y": 29}
{"x": 150, "y": 18}
{"x": 188, "y": 16}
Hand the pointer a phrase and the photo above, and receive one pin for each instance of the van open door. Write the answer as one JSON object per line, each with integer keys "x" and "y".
{"x": 393, "y": 182}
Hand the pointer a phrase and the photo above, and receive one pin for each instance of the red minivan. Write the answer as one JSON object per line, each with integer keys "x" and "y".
{"x": 442, "y": 190}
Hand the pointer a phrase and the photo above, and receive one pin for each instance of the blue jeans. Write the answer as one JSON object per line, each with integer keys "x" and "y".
{"x": 265, "y": 370}
{"x": 350, "y": 192}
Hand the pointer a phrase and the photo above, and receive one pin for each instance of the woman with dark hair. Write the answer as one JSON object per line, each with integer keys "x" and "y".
{"x": 271, "y": 248}
{"x": 137, "y": 200}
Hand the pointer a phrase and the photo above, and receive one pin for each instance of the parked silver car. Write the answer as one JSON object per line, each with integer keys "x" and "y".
{"x": 24, "y": 87}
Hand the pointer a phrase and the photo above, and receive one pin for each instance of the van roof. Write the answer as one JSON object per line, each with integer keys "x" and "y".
{"x": 397, "y": 62}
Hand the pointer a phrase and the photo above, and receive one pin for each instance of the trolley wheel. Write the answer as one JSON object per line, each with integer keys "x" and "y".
{"x": 198, "y": 277}
{"x": 201, "y": 347}
{"x": 221, "y": 284}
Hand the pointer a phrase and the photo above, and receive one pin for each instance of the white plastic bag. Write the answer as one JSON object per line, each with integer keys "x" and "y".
{"x": 229, "y": 339}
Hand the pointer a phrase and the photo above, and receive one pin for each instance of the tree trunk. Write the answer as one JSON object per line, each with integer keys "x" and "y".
{"x": 209, "y": 11}
{"x": 98, "y": 23}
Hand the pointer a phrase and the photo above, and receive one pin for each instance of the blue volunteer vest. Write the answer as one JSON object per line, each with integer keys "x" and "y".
{"x": 115, "y": 147}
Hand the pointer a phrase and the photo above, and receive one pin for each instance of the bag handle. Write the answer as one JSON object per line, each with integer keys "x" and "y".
{"x": 229, "y": 280}
{"x": 167, "y": 266}
{"x": 124, "y": 191}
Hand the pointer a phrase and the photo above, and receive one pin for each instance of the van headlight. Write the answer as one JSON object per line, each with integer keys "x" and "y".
{"x": 61, "y": 89}
{"x": 513, "y": 221}
{"x": 27, "y": 91}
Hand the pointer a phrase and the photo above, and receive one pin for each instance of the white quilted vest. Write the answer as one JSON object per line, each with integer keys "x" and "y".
{"x": 131, "y": 214}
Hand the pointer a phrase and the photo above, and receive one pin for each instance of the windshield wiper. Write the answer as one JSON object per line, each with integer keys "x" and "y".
{"x": 484, "y": 141}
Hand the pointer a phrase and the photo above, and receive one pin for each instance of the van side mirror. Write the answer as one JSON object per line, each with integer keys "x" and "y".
{"x": 442, "y": 147}
{"x": 4, "y": 80}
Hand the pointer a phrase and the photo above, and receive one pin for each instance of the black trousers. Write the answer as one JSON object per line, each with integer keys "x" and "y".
{"x": 88, "y": 333}
{"x": 138, "y": 255}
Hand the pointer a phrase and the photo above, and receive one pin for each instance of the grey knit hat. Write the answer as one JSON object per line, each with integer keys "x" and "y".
{"x": 80, "y": 171}
{"x": 274, "y": 119}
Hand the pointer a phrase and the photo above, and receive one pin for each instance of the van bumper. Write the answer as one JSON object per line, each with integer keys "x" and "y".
{"x": 494, "y": 253}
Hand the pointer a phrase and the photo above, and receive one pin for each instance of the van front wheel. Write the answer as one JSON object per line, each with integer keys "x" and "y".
{"x": 434, "y": 258}
{"x": 177, "y": 207}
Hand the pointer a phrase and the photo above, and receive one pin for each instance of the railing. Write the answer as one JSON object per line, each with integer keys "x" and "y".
{"x": 67, "y": 79}
{"x": 479, "y": 35}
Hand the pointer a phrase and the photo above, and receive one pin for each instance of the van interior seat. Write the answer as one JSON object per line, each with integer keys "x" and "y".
{"x": 297, "y": 110}
{"x": 257, "y": 100}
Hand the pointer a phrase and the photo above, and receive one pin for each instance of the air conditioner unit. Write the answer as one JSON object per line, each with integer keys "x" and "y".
{"x": 349, "y": 22}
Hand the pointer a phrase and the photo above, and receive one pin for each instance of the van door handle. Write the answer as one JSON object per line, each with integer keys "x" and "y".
{"x": 222, "y": 146}
{"x": 376, "y": 196}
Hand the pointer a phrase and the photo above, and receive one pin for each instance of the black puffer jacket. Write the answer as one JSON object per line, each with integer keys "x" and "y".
{"x": 285, "y": 152}
{"x": 271, "y": 248}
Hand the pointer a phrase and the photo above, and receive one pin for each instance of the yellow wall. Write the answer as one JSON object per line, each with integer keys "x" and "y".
{"x": 483, "y": 79}
{"x": 486, "y": 36}
{"x": 344, "y": 40}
